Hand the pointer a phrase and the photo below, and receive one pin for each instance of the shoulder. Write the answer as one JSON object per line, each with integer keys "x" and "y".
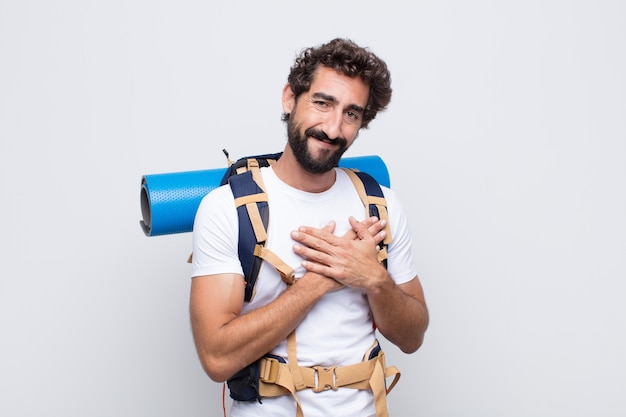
{"x": 390, "y": 195}
{"x": 218, "y": 203}
{"x": 221, "y": 193}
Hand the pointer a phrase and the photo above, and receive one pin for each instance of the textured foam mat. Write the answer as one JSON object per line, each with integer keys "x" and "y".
{"x": 169, "y": 201}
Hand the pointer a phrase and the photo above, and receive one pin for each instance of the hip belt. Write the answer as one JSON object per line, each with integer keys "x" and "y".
{"x": 276, "y": 378}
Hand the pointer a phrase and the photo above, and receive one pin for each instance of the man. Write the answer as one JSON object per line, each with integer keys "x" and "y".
{"x": 342, "y": 293}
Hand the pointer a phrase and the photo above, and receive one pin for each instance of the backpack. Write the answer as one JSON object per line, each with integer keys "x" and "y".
{"x": 247, "y": 186}
{"x": 260, "y": 377}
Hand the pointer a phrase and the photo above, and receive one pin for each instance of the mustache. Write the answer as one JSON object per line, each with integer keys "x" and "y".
{"x": 319, "y": 135}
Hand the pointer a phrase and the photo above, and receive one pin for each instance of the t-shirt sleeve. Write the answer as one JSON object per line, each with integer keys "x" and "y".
{"x": 215, "y": 235}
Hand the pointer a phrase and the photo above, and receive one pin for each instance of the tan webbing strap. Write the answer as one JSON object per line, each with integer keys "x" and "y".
{"x": 285, "y": 271}
{"x": 251, "y": 200}
{"x": 253, "y": 212}
{"x": 382, "y": 254}
{"x": 368, "y": 199}
{"x": 357, "y": 376}
{"x": 358, "y": 184}
{"x": 277, "y": 379}
{"x": 389, "y": 372}
{"x": 378, "y": 382}
{"x": 292, "y": 360}
{"x": 253, "y": 165}
{"x": 256, "y": 174}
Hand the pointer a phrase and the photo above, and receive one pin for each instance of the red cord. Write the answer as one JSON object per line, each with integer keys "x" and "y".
{"x": 224, "y": 398}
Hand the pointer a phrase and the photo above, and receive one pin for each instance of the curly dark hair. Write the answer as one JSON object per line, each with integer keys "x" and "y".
{"x": 349, "y": 59}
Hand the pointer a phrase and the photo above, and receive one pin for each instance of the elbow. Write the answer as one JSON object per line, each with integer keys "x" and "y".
{"x": 407, "y": 343}
{"x": 413, "y": 345}
{"x": 216, "y": 375}
{"x": 216, "y": 368}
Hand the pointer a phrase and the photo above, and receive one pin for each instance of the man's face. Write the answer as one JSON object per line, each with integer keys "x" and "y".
{"x": 326, "y": 120}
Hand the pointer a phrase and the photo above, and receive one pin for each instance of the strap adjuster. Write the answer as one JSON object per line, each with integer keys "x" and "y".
{"x": 269, "y": 370}
{"x": 325, "y": 379}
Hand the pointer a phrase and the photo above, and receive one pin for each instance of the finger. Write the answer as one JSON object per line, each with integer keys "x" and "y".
{"x": 377, "y": 227}
{"x": 376, "y": 230}
{"x": 360, "y": 229}
{"x": 371, "y": 223}
{"x": 330, "y": 227}
{"x": 316, "y": 239}
{"x": 314, "y": 256}
{"x": 325, "y": 233}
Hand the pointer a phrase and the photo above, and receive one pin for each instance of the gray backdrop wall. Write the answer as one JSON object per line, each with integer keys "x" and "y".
{"x": 505, "y": 139}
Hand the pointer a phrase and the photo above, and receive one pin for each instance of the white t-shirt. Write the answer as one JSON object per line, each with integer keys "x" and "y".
{"x": 338, "y": 330}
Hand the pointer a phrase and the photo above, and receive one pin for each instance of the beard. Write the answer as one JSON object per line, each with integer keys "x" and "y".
{"x": 327, "y": 160}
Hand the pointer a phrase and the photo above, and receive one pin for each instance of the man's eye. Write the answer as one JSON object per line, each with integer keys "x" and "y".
{"x": 352, "y": 115}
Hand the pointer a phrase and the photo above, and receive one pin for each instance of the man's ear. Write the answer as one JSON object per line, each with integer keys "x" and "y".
{"x": 289, "y": 99}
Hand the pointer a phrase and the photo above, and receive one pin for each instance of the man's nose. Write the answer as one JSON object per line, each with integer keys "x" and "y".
{"x": 333, "y": 124}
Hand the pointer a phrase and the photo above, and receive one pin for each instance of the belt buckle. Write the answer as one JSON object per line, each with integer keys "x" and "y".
{"x": 325, "y": 379}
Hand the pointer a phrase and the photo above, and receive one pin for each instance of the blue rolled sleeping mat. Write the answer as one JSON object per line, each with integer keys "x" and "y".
{"x": 169, "y": 201}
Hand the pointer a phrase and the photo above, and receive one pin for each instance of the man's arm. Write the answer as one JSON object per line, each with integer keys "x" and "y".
{"x": 226, "y": 340}
{"x": 399, "y": 311}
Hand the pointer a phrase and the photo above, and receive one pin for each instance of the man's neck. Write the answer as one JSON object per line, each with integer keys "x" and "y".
{"x": 289, "y": 171}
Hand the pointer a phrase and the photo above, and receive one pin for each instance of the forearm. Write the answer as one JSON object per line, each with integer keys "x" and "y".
{"x": 400, "y": 313}
{"x": 241, "y": 339}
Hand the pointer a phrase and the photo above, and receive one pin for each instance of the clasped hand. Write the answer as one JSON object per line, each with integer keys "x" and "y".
{"x": 351, "y": 259}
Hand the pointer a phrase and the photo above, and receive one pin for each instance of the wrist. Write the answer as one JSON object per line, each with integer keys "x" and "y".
{"x": 378, "y": 282}
{"x": 318, "y": 284}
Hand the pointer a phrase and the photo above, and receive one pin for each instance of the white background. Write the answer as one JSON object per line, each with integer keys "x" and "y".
{"x": 505, "y": 138}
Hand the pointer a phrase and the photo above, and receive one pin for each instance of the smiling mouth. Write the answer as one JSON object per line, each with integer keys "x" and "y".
{"x": 323, "y": 137}
{"x": 325, "y": 140}
{"x": 319, "y": 136}
{"x": 326, "y": 144}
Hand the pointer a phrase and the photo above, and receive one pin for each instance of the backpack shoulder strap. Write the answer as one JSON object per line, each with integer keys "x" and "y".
{"x": 375, "y": 204}
{"x": 246, "y": 183}
{"x": 253, "y": 214}
{"x": 248, "y": 163}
